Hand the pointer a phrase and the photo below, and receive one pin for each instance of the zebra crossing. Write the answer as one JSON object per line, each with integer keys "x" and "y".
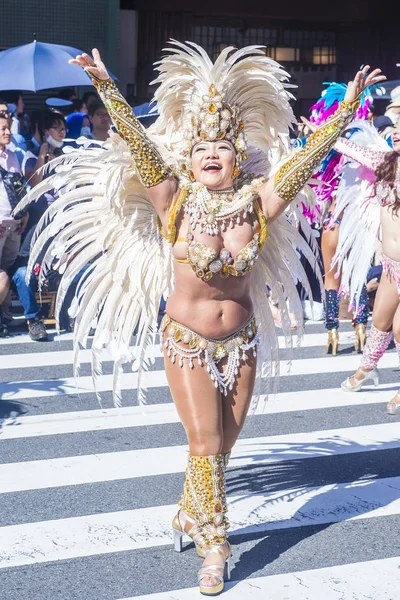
{"x": 87, "y": 493}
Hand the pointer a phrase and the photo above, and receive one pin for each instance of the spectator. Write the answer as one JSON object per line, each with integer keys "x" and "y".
{"x": 388, "y": 122}
{"x": 393, "y": 108}
{"x": 19, "y": 119}
{"x": 77, "y": 106}
{"x": 78, "y": 124}
{"x": 50, "y": 130}
{"x": 100, "y": 121}
{"x": 88, "y": 98}
{"x": 17, "y": 143}
{"x": 27, "y": 291}
{"x": 11, "y": 191}
{"x": 67, "y": 94}
{"x": 372, "y": 113}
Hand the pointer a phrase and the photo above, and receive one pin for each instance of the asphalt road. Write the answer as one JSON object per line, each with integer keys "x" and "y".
{"x": 87, "y": 492}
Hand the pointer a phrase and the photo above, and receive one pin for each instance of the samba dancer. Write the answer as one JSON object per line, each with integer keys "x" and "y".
{"x": 193, "y": 173}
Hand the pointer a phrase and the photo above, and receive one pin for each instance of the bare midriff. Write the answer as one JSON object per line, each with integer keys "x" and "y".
{"x": 219, "y": 307}
{"x": 214, "y": 309}
{"x": 390, "y": 224}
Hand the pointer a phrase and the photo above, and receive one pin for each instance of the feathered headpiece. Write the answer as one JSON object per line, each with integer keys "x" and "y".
{"x": 242, "y": 97}
{"x": 332, "y": 164}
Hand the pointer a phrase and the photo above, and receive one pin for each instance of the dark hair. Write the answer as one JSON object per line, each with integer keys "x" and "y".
{"x": 50, "y": 119}
{"x": 95, "y": 106}
{"x": 66, "y": 93}
{"x": 2, "y": 101}
{"x": 386, "y": 172}
{"x": 11, "y": 96}
{"x": 88, "y": 94}
{"x": 77, "y": 105}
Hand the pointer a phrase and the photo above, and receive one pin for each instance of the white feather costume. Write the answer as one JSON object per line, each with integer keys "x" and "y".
{"x": 356, "y": 199}
{"x": 103, "y": 220}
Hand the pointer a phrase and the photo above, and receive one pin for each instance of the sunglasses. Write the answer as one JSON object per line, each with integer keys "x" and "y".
{"x": 5, "y": 114}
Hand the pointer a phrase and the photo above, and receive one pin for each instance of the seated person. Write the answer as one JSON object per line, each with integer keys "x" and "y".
{"x": 27, "y": 291}
{"x": 47, "y": 141}
{"x": 100, "y": 121}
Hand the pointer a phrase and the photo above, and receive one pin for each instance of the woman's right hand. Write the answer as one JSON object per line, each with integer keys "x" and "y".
{"x": 44, "y": 151}
{"x": 94, "y": 66}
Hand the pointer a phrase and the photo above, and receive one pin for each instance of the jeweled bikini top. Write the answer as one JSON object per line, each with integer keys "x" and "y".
{"x": 205, "y": 260}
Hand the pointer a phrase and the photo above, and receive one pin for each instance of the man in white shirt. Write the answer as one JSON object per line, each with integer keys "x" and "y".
{"x": 10, "y": 228}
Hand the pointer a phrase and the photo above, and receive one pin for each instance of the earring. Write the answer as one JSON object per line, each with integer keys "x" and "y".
{"x": 191, "y": 175}
{"x": 235, "y": 172}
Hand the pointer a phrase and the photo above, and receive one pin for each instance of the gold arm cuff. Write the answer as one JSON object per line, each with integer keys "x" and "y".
{"x": 173, "y": 215}
{"x": 263, "y": 224}
{"x": 150, "y": 166}
{"x": 295, "y": 173}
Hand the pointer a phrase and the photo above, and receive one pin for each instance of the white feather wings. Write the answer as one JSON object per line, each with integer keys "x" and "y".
{"x": 102, "y": 233}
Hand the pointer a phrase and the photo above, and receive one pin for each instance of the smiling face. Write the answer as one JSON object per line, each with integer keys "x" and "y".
{"x": 5, "y": 133}
{"x": 213, "y": 164}
{"x": 396, "y": 138}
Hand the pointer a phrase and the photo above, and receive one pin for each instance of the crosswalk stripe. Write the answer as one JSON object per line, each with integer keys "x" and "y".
{"x": 147, "y": 527}
{"x": 63, "y": 357}
{"x": 23, "y": 338}
{"x": 110, "y": 466}
{"x": 356, "y": 581}
{"x": 83, "y": 385}
{"x": 160, "y": 414}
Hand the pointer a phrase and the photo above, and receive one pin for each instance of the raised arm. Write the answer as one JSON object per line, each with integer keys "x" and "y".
{"x": 294, "y": 174}
{"x": 367, "y": 157}
{"x": 150, "y": 166}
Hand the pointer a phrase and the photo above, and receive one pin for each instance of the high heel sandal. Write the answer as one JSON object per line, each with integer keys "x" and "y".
{"x": 333, "y": 341}
{"x": 361, "y": 336}
{"x": 368, "y": 376}
{"x": 220, "y": 573}
{"x": 194, "y": 534}
{"x": 394, "y": 410}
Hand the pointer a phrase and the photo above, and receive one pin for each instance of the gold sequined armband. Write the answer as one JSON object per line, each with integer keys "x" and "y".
{"x": 150, "y": 166}
{"x": 295, "y": 173}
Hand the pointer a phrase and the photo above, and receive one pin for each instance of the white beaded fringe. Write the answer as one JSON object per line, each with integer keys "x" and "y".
{"x": 223, "y": 381}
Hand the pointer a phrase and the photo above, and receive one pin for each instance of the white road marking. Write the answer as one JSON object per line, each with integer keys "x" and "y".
{"x": 78, "y": 470}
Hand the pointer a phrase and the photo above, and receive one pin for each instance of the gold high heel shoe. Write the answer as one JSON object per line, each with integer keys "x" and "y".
{"x": 204, "y": 500}
{"x": 333, "y": 341}
{"x": 361, "y": 336}
{"x": 194, "y": 533}
{"x": 220, "y": 573}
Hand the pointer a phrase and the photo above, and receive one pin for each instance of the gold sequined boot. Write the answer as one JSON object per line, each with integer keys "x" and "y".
{"x": 204, "y": 501}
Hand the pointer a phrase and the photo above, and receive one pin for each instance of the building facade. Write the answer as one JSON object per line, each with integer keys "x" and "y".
{"x": 315, "y": 42}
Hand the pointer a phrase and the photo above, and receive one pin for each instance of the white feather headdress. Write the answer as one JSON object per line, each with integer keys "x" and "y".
{"x": 243, "y": 97}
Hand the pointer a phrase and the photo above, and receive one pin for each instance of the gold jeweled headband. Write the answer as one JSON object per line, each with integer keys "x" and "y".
{"x": 216, "y": 120}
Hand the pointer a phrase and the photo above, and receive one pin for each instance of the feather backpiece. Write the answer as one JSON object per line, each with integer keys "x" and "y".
{"x": 360, "y": 223}
{"x": 102, "y": 234}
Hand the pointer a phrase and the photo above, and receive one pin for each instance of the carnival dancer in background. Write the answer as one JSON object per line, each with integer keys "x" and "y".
{"x": 177, "y": 209}
{"x": 369, "y": 194}
{"x": 329, "y": 174}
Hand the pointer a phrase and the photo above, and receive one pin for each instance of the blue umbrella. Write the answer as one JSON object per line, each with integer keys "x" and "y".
{"x": 38, "y": 66}
{"x": 148, "y": 109}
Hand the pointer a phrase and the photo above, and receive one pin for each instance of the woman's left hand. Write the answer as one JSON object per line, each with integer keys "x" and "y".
{"x": 361, "y": 81}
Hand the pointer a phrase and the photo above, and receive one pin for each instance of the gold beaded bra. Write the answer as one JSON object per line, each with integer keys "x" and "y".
{"x": 205, "y": 260}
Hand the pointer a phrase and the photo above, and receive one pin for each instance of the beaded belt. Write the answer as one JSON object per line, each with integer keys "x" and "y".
{"x": 210, "y": 350}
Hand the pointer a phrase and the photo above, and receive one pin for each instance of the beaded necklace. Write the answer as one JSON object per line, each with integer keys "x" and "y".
{"x": 213, "y": 211}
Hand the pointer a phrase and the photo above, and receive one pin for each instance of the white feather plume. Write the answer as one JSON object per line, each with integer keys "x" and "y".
{"x": 359, "y": 228}
{"x": 103, "y": 230}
